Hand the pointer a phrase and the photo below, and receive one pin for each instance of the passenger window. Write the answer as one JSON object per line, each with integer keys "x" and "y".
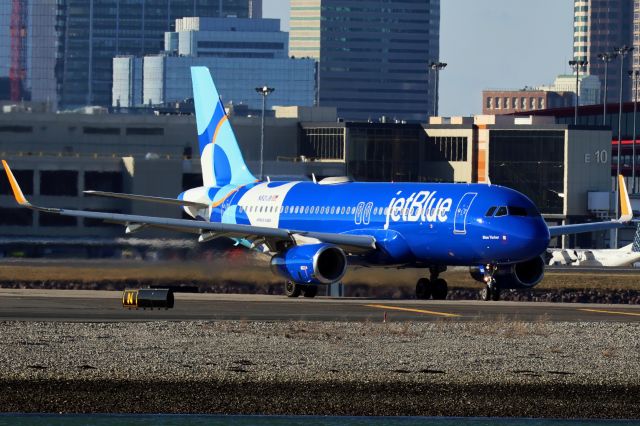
{"x": 490, "y": 212}
{"x": 517, "y": 211}
{"x": 502, "y": 211}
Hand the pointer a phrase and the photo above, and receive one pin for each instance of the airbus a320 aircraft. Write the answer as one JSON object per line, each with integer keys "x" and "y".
{"x": 315, "y": 229}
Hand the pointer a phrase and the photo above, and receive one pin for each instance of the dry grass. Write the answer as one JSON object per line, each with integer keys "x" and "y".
{"x": 245, "y": 269}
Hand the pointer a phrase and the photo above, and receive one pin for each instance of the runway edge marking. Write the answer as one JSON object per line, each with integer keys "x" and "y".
{"x": 419, "y": 311}
{"x": 602, "y": 311}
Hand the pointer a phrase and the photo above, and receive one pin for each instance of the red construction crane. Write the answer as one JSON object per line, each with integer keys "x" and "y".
{"x": 18, "y": 33}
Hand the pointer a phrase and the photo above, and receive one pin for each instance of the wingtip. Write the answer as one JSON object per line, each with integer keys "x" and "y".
{"x": 626, "y": 212}
{"x": 15, "y": 187}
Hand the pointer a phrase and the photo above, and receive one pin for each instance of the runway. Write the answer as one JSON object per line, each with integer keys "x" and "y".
{"x": 105, "y": 306}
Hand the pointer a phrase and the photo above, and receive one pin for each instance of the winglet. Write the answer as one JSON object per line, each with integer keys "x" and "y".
{"x": 17, "y": 192}
{"x": 626, "y": 213}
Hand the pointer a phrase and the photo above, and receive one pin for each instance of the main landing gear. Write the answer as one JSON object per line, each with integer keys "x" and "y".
{"x": 433, "y": 286}
{"x": 491, "y": 290}
{"x": 292, "y": 289}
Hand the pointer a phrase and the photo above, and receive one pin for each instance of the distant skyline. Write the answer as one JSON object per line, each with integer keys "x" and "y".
{"x": 491, "y": 44}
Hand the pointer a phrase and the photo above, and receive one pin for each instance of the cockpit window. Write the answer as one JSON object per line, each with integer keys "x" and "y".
{"x": 517, "y": 211}
{"x": 490, "y": 211}
{"x": 502, "y": 211}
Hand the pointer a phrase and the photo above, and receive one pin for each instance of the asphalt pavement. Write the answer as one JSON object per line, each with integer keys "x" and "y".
{"x": 106, "y": 306}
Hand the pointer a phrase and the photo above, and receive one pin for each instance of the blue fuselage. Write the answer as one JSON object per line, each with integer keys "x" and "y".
{"x": 448, "y": 224}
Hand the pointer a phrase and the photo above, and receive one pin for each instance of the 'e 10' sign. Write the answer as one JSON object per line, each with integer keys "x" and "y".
{"x": 600, "y": 157}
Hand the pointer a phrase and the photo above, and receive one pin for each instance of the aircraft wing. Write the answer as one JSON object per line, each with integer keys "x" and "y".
{"x": 626, "y": 215}
{"x": 147, "y": 198}
{"x": 256, "y": 235}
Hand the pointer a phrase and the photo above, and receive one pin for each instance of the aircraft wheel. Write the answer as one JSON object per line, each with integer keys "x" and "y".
{"x": 495, "y": 294}
{"x": 440, "y": 289}
{"x": 485, "y": 293}
{"x": 423, "y": 289}
{"x": 310, "y": 291}
{"x": 292, "y": 289}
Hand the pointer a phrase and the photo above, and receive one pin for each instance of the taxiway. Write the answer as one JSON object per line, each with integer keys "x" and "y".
{"x": 105, "y": 306}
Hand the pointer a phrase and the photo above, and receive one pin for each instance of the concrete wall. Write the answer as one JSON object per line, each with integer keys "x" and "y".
{"x": 587, "y": 167}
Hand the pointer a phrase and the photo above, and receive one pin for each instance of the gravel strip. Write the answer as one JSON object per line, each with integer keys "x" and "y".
{"x": 501, "y": 368}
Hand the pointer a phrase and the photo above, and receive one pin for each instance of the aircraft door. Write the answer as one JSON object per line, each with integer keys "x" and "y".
{"x": 367, "y": 214}
{"x": 359, "y": 210}
{"x": 460, "y": 217}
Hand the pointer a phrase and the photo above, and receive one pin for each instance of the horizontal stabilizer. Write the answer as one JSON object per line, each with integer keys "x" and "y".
{"x": 148, "y": 199}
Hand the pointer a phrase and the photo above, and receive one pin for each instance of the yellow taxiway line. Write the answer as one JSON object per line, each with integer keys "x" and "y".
{"x": 419, "y": 311}
{"x": 600, "y": 311}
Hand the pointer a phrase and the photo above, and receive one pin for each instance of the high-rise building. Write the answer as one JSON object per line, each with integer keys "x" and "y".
{"x": 600, "y": 26}
{"x": 255, "y": 9}
{"x": 636, "y": 34}
{"x": 28, "y": 50}
{"x": 372, "y": 55}
{"x": 95, "y": 31}
{"x": 242, "y": 54}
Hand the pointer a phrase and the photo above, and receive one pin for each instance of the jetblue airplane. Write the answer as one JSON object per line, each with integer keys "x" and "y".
{"x": 313, "y": 230}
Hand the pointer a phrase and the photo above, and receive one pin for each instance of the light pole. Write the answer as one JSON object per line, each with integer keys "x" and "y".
{"x": 264, "y": 91}
{"x": 576, "y": 64}
{"x": 436, "y": 66}
{"x": 622, "y": 52}
{"x": 635, "y": 74}
{"x": 606, "y": 58}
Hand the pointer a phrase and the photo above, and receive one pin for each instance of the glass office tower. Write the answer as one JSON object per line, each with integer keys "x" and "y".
{"x": 600, "y": 26}
{"x": 93, "y": 32}
{"x": 373, "y": 55}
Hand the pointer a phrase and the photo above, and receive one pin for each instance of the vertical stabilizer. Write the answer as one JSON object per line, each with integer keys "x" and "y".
{"x": 222, "y": 162}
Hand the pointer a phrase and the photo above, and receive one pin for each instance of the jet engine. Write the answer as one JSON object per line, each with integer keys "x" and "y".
{"x": 525, "y": 274}
{"x": 311, "y": 264}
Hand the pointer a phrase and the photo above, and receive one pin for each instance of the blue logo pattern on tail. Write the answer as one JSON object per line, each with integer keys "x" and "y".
{"x": 221, "y": 159}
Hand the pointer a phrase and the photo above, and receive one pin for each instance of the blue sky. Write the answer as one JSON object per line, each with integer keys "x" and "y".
{"x": 491, "y": 44}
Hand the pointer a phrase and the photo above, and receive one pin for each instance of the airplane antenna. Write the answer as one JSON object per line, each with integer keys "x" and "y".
{"x": 268, "y": 179}
{"x": 313, "y": 176}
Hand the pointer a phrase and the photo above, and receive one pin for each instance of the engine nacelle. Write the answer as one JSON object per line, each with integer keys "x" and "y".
{"x": 311, "y": 264}
{"x": 525, "y": 274}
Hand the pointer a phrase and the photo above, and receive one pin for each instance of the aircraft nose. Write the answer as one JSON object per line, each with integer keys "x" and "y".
{"x": 531, "y": 238}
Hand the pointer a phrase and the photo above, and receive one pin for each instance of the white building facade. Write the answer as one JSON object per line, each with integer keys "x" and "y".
{"x": 588, "y": 85}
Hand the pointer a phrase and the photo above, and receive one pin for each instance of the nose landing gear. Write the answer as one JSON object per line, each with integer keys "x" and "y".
{"x": 491, "y": 290}
{"x": 433, "y": 287}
